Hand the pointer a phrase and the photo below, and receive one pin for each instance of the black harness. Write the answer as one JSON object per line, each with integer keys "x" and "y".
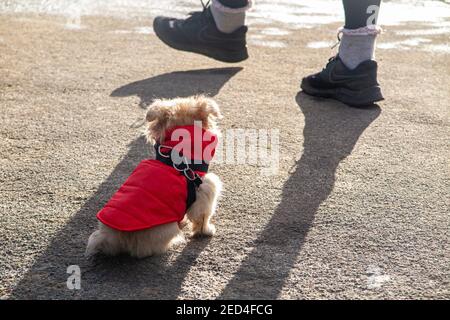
{"x": 186, "y": 168}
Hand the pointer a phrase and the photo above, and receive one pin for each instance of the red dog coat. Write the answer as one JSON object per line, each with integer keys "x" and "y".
{"x": 157, "y": 192}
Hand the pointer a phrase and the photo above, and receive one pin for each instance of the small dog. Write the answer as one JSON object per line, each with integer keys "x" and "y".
{"x": 146, "y": 215}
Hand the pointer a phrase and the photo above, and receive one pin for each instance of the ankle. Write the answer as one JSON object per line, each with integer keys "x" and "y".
{"x": 229, "y": 19}
{"x": 357, "y": 45}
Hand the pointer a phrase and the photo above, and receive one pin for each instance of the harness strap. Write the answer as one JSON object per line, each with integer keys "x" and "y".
{"x": 187, "y": 169}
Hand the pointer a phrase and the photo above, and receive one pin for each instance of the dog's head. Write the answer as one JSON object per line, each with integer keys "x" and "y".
{"x": 166, "y": 114}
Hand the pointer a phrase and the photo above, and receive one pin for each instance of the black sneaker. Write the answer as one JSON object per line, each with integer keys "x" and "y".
{"x": 198, "y": 33}
{"x": 356, "y": 88}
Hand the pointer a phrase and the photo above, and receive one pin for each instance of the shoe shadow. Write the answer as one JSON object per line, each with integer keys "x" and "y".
{"x": 122, "y": 277}
{"x": 330, "y": 134}
{"x": 177, "y": 84}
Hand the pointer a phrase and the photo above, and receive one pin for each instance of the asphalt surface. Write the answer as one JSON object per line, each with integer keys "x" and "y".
{"x": 358, "y": 210}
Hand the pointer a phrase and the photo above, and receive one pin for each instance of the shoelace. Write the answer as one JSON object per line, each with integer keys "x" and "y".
{"x": 334, "y": 46}
{"x": 203, "y": 13}
{"x": 330, "y": 60}
{"x": 338, "y": 40}
{"x": 205, "y": 6}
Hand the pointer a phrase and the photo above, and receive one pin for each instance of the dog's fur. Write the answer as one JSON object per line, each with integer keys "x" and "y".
{"x": 161, "y": 116}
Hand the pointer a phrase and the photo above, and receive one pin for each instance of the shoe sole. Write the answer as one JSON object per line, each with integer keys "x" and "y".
{"x": 217, "y": 54}
{"x": 358, "y": 99}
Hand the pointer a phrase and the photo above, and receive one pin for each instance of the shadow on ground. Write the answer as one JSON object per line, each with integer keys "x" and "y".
{"x": 330, "y": 134}
{"x": 177, "y": 84}
{"x": 123, "y": 277}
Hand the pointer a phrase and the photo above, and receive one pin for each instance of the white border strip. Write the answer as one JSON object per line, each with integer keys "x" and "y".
{"x": 371, "y": 30}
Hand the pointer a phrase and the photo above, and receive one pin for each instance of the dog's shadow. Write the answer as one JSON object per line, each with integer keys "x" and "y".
{"x": 122, "y": 277}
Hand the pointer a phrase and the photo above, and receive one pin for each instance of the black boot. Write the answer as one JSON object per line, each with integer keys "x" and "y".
{"x": 356, "y": 88}
{"x": 198, "y": 33}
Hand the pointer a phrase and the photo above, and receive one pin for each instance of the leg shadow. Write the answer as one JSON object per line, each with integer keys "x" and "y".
{"x": 330, "y": 134}
{"x": 177, "y": 84}
{"x": 122, "y": 277}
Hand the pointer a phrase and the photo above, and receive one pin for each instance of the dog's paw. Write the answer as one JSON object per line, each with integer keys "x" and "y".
{"x": 183, "y": 223}
{"x": 209, "y": 230}
{"x": 90, "y": 252}
{"x": 93, "y": 245}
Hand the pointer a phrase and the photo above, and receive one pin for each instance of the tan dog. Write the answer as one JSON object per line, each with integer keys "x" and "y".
{"x": 163, "y": 115}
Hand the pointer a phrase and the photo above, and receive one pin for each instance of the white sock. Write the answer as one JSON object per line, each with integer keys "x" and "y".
{"x": 228, "y": 19}
{"x": 358, "y": 45}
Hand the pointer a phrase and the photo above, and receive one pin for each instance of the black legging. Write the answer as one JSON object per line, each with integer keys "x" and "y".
{"x": 356, "y": 14}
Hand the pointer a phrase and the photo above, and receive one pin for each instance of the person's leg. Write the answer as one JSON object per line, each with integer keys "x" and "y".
{"x": 360, "y": 13}
{"x": 351, "y": 76}
{"x": 359, "y": 33}
{"x": 229, "y": 15}
{"x": 218, "y": 32}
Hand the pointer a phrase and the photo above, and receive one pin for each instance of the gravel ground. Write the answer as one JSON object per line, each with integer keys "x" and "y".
{"x": 358, "y": 209}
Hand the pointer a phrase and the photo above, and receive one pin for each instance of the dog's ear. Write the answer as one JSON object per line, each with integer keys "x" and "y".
{"x": 158, "y": 110}
{"x": 208, "y": 107}
{"x": 158, "y": 115}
